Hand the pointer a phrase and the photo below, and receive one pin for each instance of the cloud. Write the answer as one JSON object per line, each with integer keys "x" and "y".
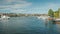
{"x": 21, "y": 5}
{"x": 14, "y": 4}
{"x": 18, "y": 11}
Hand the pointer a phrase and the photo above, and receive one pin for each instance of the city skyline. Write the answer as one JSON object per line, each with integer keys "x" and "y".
{"x": 28, "y": 6}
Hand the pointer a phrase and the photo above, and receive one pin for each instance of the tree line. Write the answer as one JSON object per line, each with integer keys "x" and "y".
{"x": 55, "y": 14}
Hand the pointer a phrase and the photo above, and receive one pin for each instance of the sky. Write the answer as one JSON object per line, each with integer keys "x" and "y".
{"x": 28, "y": 6}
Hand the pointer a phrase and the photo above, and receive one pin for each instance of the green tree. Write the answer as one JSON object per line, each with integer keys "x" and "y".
{"x": 51, "y": 13}
{"x": 59, "y": 12}
{"x": 59, "y": 9}
{"x": 56, "y": 14}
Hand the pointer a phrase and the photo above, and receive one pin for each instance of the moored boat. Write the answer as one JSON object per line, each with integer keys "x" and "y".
{"x": 43, "y": 17}
{"x": 4, "y": 17}
{"x": 58, "y": 19}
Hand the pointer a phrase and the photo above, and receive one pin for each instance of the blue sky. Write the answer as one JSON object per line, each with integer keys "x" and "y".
{"x": 28, "y": 6}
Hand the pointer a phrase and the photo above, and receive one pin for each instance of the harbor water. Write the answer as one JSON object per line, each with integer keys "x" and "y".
{"x": 28, "y": 25}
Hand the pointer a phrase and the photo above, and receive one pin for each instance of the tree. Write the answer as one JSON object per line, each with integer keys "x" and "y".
{"x": 59, "y": 12}
{"x": 59, "y": 9}
{"x": 56, "y": 14}
{"x": 51, "y": 13}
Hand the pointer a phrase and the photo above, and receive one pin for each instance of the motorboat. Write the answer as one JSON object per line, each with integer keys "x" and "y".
{"x": 4, "y": 17}
{"x": 58, "y": 19}
{"x": 43, "y": 17}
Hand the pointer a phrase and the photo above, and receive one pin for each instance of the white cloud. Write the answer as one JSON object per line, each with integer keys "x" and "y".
{"x": 21, "y": 5}
{"x": 18, "y": 11}
{"x": 14, "y": 4}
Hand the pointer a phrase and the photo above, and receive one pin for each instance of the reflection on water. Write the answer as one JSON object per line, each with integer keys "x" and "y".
{"x": 58, "y": 27}
{"x": 4, "y": 20}
{"x": 50, "y": 28}
{"x": 3, "y": 26}
{"x": 28, "y": 25}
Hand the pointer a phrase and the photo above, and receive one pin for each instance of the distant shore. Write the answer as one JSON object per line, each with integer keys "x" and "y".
{"x": 19, "y": 14}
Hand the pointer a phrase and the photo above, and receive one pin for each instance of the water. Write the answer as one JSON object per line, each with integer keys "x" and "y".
{"x": 28, "y": 25}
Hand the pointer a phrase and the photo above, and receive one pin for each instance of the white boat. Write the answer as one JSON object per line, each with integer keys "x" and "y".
{"x": 58, "y": 19}
{"x": 43, "y": 17}
{"x": 4, "y": 17}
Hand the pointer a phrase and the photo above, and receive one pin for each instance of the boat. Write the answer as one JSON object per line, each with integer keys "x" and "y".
{"x": 58, "y": 19}
{"x": 43, "y": 17}
{"x": 4, "y": 17}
